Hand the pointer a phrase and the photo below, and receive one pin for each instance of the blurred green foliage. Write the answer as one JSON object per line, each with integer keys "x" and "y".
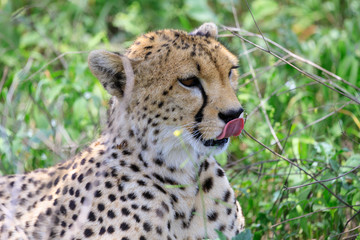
{"x": 52, "y": 106}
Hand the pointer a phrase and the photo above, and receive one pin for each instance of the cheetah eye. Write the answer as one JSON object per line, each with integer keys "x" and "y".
{"x": 234, "y": 67}
{"x": 190, "y": 82}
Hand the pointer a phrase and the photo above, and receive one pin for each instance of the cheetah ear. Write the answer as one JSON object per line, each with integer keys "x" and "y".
{"x": 207, "y": 30}
{"x": 108, "y": 67}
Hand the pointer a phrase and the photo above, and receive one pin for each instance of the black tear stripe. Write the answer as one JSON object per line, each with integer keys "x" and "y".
{"x": 200, "y": 114}
{"x": 199, "y": 117}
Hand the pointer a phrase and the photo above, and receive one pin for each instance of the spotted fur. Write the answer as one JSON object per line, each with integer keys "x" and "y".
{"x": 139, "y": 180}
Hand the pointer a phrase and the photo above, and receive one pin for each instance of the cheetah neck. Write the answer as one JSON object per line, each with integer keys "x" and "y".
{"x": 155, "y": 150}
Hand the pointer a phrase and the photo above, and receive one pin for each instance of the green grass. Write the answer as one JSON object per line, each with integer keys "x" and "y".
{"x": 52, "y": 106}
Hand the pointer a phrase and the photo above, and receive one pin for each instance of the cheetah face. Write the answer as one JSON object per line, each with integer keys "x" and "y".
{"x": 183, "y": 81}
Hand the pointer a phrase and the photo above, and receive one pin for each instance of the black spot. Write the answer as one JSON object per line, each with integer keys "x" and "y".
{"x": 148, "y": 195}
{"x": 124, "y": 226}
{"x": 48, "y": 212}
{"x": 71, "y": 191}
{"x": 110, "y": 229}
{"x": 158, "y": 177}
{"x": 88, "y": 186}
{"x": 132, "y": 196}
{"x": 160, "y": 104}
{"x": 206, "y": 165}
{"x": 63, "y": 209}
{"x": 222, "y": 228}
{"x": 147, "y": 55}
{"x": 73, "y": 176}
{"x": 97, "y": 193}
{"x": 228, "y": 211}
{"x": 174, "y": 197}
{"x": 226, "y": 196}
{"x": 108, "y": 184}
{"x": 165, "y": 206}
{"x": 114, "y": 155}
{"x": 72, "y": 204}
{"x": 207, "y": 184}
{"x": 112, "y": 197}
{"x": 134, "y": 206}
{"x": 159, "y": 188}
{"x": 159, "y": 213}
{"x": 88, "y": 232}
{"x": 180, "y": 215}
{"x": 212, "y": 216}
{"x": 158, "y": 230}
{"x": 101, "y": 207}
{"x": 55, "y": 182}
{"x": 198, "y": 67}
{"x": 125, "y": 211}
{"x": 102, "y": 231}
{"x": 147, "y": 226}
{"x": 111, "y": 214}
{"x": 65, "y": 190}
{"x": 135, "y": 168}
{"x": 145, "y": 208}
{"x": 91, "y": 217}
{"x": 137, "y": 218}
{"x": 141, "y": 182}
{"x": 80, "y": 178}
{"x": 220, "y": 172}
{"x": 158, "y": 161}
{"x": 126, "y": 152}
{"x": 125, "y": 178}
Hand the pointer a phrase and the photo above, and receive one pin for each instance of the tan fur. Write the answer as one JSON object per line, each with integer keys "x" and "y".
{"x": 139, "y": 180}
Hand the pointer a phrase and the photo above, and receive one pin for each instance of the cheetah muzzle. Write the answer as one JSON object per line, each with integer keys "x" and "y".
{"x": 151, "y": 174}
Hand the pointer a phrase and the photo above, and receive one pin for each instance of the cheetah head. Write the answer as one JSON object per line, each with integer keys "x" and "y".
{"x": 182, "y": 81}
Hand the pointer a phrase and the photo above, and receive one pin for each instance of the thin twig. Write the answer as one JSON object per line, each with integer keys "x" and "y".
{"x": 348, "y": 231}
{"x": 351, "y": 237}
{"x": 300, "y": 168}
{"x": 326, "y": 180}
{"x": 267, "y": 119}
{"x": 305, "y": 215}
{"x": 250, "y": 34}
{"x": 348, "y": 221}
{"x": 3, "y": 78}
{"x": 309, "y": 75}
{"x": 262, "y": 35}
{"x": 283, "y": 139}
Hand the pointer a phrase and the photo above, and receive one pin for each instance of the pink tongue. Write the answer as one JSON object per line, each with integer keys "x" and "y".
{"x": 232, "y": 128}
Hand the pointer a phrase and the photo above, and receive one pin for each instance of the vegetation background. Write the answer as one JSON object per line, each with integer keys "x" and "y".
{"x": 51, "y": 106}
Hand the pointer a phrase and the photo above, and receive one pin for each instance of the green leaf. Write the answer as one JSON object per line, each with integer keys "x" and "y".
{"x": 220, "y": 235}
{"x": 245, "y": 235}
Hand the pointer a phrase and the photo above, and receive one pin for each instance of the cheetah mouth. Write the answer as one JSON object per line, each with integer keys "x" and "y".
{"x": 215, "y": 143}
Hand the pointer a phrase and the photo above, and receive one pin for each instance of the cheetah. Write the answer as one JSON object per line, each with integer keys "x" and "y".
{"x": 151, "y": 174}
